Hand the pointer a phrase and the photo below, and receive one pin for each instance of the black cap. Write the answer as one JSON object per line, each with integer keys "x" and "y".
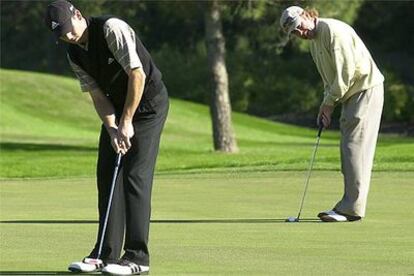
{"x": 58, "y": 15}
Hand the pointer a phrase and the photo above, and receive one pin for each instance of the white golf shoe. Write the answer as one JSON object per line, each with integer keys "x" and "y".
{"x": 87, "y": 265}
{"x": 125, "y": 267}
{"x": 335, "y": 216}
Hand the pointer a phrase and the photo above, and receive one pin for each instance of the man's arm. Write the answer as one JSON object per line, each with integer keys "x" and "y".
{"x": 136, "y": 83}
{"x": 106, "y": 112}
{"x": 103, "y": 106}
{"x": 121, "y": 42}
{"x": 343, "y": 58}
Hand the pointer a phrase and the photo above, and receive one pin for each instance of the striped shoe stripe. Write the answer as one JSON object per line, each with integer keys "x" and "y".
{"x": 134, "y": 267}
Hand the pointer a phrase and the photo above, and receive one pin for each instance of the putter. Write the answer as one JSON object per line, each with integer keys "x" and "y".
{"x": 95, "y": 264}
{"x": 108, "y": 209}
{"x": 318, "y": 137}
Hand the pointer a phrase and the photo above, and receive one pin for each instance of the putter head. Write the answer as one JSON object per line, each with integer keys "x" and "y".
{"x": 292, "y": 219}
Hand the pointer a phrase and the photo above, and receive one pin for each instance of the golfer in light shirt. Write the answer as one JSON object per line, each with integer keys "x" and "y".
{"x": 351, "y": 78}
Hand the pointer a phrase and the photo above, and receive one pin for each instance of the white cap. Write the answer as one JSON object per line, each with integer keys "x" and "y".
{"x": 291, "y": 19}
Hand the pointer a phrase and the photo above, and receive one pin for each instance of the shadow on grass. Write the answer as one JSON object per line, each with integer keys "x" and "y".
{"x": 6, "y": 146}
{"x": 44, "y": 273}
{"x": 256, "y": 143}
{"x": 219, "y": 221}
{"x": 48, "y": 221}
{"x": 165, "y": 221}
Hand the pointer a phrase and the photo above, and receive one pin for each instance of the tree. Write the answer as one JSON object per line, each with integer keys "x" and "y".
{"x": 220, "y": 107}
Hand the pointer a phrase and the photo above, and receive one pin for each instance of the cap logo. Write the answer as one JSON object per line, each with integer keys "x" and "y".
{"x": 54, "y": 25}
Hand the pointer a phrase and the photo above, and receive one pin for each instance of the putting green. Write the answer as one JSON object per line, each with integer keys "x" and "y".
{"x": 218, "y": 223}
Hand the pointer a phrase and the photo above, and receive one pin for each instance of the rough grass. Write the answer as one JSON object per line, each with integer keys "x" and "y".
{"x": 47, "y": 123}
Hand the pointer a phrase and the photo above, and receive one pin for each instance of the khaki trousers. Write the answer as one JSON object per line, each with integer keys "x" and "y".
{"x": 359, "y": 123}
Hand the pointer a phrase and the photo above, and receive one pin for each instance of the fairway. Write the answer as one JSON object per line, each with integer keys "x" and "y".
{"x": 41, "y": 132}
{"x": 218, "y": 223}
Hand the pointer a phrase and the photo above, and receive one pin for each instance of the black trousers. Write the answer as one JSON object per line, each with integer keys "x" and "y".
{"x": 129, "y": 218}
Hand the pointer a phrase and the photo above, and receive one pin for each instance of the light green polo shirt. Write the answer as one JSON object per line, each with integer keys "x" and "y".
{"x": 343, "y": 61}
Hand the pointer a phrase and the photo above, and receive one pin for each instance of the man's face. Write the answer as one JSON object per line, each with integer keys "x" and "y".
{"x": 75, "y": 36}
{"x": 307, "y": 27}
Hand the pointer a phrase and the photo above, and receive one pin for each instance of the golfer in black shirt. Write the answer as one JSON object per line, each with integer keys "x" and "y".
{"x": 129, "y": 96}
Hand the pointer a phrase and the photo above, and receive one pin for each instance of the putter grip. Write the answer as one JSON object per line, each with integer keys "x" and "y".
{"x": 118, "y": 159}
{"x": 320, "y": 127}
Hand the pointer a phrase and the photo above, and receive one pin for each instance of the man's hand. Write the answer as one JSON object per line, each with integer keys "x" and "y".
{"x": 116, "y": 141}
{"x": 324, "y": 116}
{"x": 125, "y": 133}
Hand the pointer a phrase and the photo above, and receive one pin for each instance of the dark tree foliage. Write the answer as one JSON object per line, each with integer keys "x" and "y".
{"x": 268, "y": 76}
{"x": 388, "y": 29}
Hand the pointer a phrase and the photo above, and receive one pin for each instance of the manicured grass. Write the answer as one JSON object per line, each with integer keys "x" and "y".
{"x": 218, "y": 223}
{"x": 46, "y": 122}
{"x": 213, "y": 213}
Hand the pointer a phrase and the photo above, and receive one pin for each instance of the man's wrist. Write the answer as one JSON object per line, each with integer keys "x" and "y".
{"x": 125, "y": 120}
{"x": 112, "y": 129}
